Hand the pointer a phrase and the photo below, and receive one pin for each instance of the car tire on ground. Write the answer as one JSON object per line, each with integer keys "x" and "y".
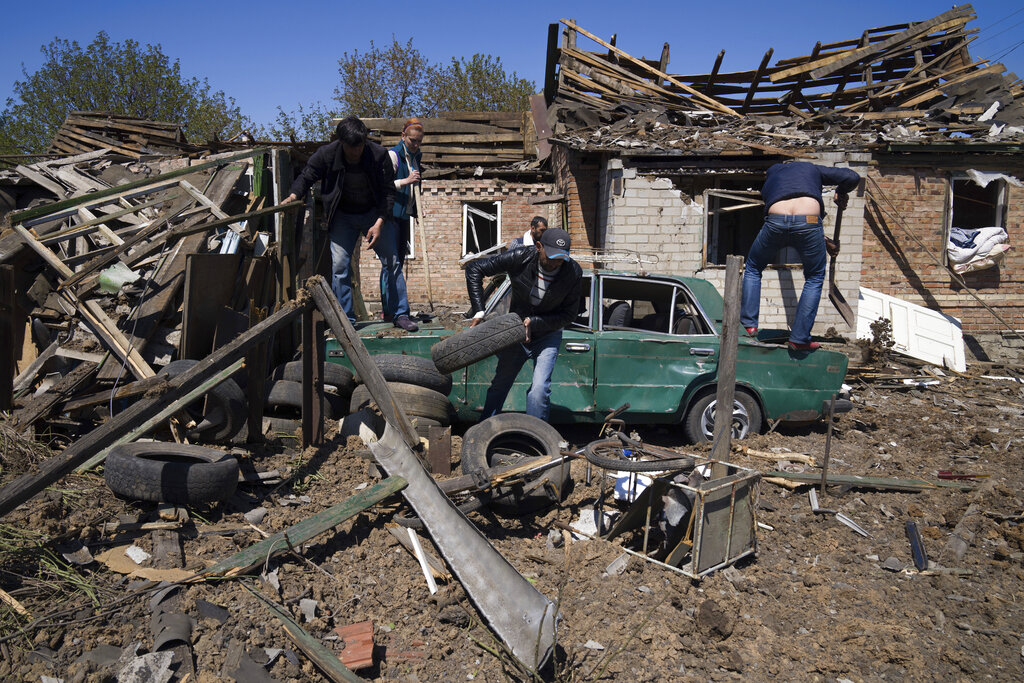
{"x": 225, "y": 406}
{"x": 285, "y": 394}
{"x": 397, "y": 367}
{"x": 494, "y": 441}
{"x": 281, "y": 426}
{"x": 472, "y": 345}
{"x": 699, "y": 423}
{"x": 337, "y": 376}
{"x": 416, "y": 401}
{"x": 170, "y": 473}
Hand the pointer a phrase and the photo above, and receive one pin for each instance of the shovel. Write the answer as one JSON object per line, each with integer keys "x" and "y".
{"x": 834, "y": 295}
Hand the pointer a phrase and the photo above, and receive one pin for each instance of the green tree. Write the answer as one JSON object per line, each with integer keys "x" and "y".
{"x": 122, "y": 78}
{"x": 310, "y": 123}
{"x": 382, "y": 83}
{"x": 477, "y": 84}
{"x": 400, "y": 81}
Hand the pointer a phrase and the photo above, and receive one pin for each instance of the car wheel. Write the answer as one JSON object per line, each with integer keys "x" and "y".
{"x": 416, "y": 401}
{"x": 225, "y": 411}
{"x": 284, "y": 394}
{"x": 170, "y": 473}
{"x": 397, "y": 367}
{"x": 472, "y": 345}
{"x": 504, "y": 439}
{"x": 699, "y": 424}
{"x": 337, "y": 376}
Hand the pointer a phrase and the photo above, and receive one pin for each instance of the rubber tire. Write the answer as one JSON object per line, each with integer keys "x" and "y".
{"x": 283, "y": 393}
{"x": 416, "y": 401}
{"x": 170, "y": 473}
{"x": 227, "y": 396}
{"x": 692, "y": 421}
{"x": 533, "y": 437}
{"x": 472, "y": 345}
{"x": 397, "y": 367}
{"x": 278, "y": 427}
{"x": 337, "y": 376}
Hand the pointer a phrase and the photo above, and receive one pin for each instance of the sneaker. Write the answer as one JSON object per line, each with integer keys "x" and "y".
{"x": 810, "y": 346}
{"x": 406, "y": 323}
{"x": 751, "y": 331}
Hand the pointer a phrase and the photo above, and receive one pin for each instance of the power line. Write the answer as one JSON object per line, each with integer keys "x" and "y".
{"x": 982, "y": 40}
{"x": 996, "y": 23}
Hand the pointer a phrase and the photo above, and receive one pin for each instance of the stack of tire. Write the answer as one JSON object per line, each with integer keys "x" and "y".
{"x": 282, "y": 413}
{"x": 418, "y": 387}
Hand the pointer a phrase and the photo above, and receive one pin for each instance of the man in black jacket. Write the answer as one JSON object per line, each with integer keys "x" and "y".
{"x": 358, "y": 191}
{"x": 546, "y": 290}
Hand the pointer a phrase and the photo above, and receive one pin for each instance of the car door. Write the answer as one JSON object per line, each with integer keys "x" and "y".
{"x": 650, "y": 356}
{"x": 572, "y": 383}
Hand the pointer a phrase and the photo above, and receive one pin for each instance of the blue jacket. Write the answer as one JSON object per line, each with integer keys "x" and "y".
{"x": 804, "y": 179}
{"x": 401, "y": 209}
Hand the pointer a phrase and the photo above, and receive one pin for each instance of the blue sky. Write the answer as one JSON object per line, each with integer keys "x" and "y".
{"x": 266, "y": 54}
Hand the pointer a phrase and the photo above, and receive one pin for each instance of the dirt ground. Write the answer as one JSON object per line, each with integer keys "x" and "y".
{"x": 818, "y": 602}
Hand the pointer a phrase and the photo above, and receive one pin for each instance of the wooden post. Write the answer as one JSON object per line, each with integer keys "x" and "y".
{"x": 727, "y": 364}
{"x": 312, "y": 379}
{"x": 364, "y": 366}
{"x": 256, "y": 367}
{"x": 7, "y": 337}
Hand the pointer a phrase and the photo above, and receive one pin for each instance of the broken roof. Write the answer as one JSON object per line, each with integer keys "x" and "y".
{"x": 906, "y": 83}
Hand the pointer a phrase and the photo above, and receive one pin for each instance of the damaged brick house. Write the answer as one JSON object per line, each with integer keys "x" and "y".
{"x": 669, "y": 166}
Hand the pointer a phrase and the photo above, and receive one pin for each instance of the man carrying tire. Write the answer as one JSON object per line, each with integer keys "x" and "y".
{"x": 546, "y": 290}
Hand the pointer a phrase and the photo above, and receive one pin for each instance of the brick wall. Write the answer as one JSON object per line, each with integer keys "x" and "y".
{"x": 442, "y": 209}
{"x": 905, "y": 219}
{"x": 578, "y": 179}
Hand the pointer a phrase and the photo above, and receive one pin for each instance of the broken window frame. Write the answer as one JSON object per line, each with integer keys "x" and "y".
{"x": 1000, "y": 209}
{"x": 468, "y": 224}
{"x": 747, "y": 199}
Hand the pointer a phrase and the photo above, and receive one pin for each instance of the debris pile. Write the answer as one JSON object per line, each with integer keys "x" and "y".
{"x": 903, "y": 83}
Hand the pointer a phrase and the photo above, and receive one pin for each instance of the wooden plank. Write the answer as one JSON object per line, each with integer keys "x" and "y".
{"x": 168, "y": 410}
{"x": 831, "y": 64}
{"x": 938, "y": 90}
{"x": 18, "y": 491}
{"x": 755, "y": 79}
{"x": 880, "y": 483}
{"x": 130, "y": 390}
{"x": 323, "y": 658}
{"x": 41, "y": 405}
{"x": 105, "y": 328}
{"x": 8, "y": 337}
{"x": 84, "y": 227}
{"x": 121, "y": 190}
{"x": 42, "y": 181}
{"x": 209, "y": 285}
{"x": 298, "y": 534}
{"x": 699, "y": 96}
{"x": 312, "y": 379}
{"x": 726, "y": 372}
{"x": 364, "y": 366}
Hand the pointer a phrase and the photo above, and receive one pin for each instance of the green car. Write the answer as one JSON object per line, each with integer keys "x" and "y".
{"x": 653, "y": 342}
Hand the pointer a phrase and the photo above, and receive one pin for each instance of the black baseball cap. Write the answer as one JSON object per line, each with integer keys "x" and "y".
{"x": 556, "y": 243}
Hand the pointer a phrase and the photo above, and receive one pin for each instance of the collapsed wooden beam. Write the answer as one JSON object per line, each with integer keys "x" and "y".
{"x": 28, "y": 214}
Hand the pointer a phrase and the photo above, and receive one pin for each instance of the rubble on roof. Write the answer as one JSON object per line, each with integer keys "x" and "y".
{"x": 912, "y": 82}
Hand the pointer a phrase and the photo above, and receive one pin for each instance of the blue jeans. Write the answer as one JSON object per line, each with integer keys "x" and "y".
{"x": 345, "y": 230}
{"x": 544, "y": 352}
{"x": 809, "y": 240}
